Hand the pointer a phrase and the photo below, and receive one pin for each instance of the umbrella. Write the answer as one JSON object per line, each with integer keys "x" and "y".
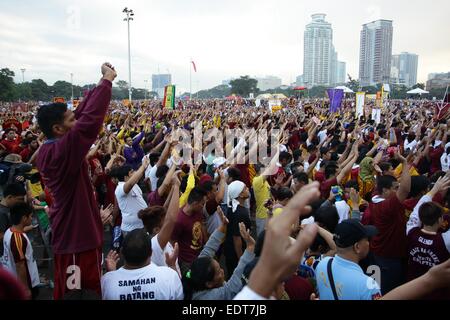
{"x": 299, "y": 88}
{"x": 346, "y": 90}
{"x": 417, "y": 91}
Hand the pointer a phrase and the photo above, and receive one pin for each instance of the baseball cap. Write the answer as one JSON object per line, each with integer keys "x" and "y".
{"x": 348, "y": 232}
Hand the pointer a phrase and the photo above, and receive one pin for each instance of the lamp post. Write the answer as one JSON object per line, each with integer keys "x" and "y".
{"x": 23, "y": 74}
{"x": 129, "y": 17}
{"x": 71, "y": 85}
{"x": 145, "y": 89}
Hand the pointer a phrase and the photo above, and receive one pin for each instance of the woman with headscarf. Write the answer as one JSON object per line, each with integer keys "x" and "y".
{"x": 234, "y": 246}
{"x": 366, "y": 177}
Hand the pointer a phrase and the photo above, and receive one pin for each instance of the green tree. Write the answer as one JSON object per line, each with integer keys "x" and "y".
{"x": 22, "y": 91}
{"x": 62, "y": 89}
{"x": 419, "y": 85}
{"x": 398, "y": 91}
{"x": 353, "y": 84}
{"x": 244, "y": 86}
{"x": 6, "y": 85}
{"x": 318, "y": 92}
{"x": 40, "y": 90}
{"x": 370, "y": 89}
{"x": 213, "y": 93}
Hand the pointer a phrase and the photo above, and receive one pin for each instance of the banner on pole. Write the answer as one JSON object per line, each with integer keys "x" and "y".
{"x": 169, "y": 96}
{"x": 360, "y": 97}
{"x": 336, "y": 96}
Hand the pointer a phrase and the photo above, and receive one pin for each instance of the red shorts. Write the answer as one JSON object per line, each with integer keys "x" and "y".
{"x": 76, "y": 271}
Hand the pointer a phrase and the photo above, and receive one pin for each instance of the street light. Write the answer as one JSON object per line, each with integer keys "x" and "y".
{"x": 129, "y": 17}
{"x": 145, "y": 89}
{"x": 23, "y": 74}
{"x": 71, "y": 84}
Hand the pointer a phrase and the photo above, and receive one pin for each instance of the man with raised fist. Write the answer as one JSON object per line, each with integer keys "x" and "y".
{"x": 76, "y": 220}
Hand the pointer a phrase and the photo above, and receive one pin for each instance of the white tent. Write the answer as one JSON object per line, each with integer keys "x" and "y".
{"x": 264, "y": 96}
{"x": 417, "y": 91}
{"x": 346, "y": 90}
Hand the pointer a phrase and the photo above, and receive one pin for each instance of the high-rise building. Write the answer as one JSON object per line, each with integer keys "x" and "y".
{"x": 269, "y": 82}
{"x": 375, "y": 53}
{"x": 299, "y": 81}
{"x": 404, "y": 69}
{"x": 318, "y": 52}
{"x": 341, "y": 72}
{"x": 333, "y": 66}
{"x": 438, "y": 81}
{"x": 159, "y": 81}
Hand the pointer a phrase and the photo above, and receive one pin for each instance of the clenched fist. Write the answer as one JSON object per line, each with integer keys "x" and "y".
{"x": 108, "y": 72}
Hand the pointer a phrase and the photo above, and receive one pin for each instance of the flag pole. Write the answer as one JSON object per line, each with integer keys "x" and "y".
{"x": 443, "y": 99}
{"x": 190, "y": 80}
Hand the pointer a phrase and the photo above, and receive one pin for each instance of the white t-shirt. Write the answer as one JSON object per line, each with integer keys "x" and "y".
{"x": 343, "y": 210}
{"x": 148, "y": 283}
{"x": 151, "y": 174}
{"x": 130, "y": 204}
{"x": 8, "y": 258}
{"x": 410, "y": 144}
{"x": 159, "y": 255}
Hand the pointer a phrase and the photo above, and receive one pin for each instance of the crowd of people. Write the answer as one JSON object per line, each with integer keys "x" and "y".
{"x": 335, "y": 207}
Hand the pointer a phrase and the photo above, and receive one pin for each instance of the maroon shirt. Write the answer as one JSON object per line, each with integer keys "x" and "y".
{"x": 154, "y": 199}
{"x": 389, "y": 218}
{"x": 188, "y": 232}
{"x": 435, "y": 157}
{"x": 325, "y": 187}
{"x": 426, "y": 251}
{"x": 74, "y": 214}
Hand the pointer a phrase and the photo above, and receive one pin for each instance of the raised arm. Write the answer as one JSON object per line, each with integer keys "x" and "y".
{"x": 346, "y": 170}
{"x": 165, "y": 233}
{"x": 405, "y": 180}
{"x": 137, "y": 175}
{"x": 166, "y": 183}
{"x": 90, "y": 115}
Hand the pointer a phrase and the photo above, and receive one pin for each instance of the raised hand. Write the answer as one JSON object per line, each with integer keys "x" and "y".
{"x": 111, "y": 261}
{"x": 106, "y": 214}
{"x": 108, "y": 72}
{"x": 245, "y": 234}
{"x": 280, "y": 257}
{"x": 171, "y": 259}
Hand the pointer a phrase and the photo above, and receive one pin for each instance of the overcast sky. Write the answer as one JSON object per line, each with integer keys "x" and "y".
{"x": 226, "y": 39}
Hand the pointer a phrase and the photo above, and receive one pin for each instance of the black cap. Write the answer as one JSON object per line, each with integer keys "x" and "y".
{"x": 349, "y": 232}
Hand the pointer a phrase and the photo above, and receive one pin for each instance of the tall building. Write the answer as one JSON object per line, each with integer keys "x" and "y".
{"x": 299, "y": 81}
{"x": 159, "y": 81}
{"x": 318, "y": 52}
{"x": 375, "y": 53}
{"x": 269, "y": 82}
{"x": 438, "y": 81}
{"x": 341, "y": 73}
{"x": 333, "y": 66}
{"x": 404, "y": 69}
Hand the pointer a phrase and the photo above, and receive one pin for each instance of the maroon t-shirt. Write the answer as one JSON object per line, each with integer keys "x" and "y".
{"x": 389, "y": 218}
{"x": 435, "y": 157}
{"x": 325, "y": 187}
{"x": 188, "y": 232}
{"x": 426, "y": 251}
{"x": 74, "y": 214}
{"x": 154, "y": 199}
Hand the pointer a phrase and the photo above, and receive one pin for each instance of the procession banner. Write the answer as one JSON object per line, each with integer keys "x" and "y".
{"x": 335, "y": 96}
{"x": 360, "y": 97}
{"x": 169, "y": 96}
